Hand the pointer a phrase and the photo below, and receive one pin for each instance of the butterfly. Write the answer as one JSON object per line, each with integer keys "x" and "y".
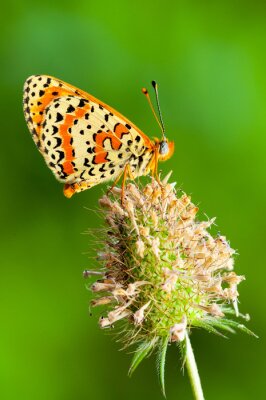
{"x": 84, "y": 141}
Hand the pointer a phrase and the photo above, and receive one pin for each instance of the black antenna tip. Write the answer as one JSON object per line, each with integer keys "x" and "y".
{"x": 144, "y": 90}
{"x": 154, "y": 84}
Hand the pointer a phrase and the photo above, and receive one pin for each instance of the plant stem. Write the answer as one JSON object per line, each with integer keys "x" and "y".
{"x": 193, "y": 371}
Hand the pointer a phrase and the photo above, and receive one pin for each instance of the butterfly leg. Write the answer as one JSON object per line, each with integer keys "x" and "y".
{"x": 127, "y": 173}
{"x": 115, "y": 182}
{"x": 154, "y": 166}
{"x": 70, "y": 189}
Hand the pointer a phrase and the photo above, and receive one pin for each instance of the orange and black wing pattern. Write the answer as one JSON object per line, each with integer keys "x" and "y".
{"x": 83, "y": 141}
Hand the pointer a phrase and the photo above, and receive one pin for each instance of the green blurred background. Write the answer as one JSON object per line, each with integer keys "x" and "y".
{"x": 209, "y": 59}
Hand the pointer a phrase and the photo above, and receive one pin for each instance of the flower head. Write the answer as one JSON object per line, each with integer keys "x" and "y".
{"x": 163, "y": 271}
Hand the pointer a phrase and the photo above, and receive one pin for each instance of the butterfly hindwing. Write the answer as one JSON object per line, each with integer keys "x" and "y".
{"x": 80, "y": 138}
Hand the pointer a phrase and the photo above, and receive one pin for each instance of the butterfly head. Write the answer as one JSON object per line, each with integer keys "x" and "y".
{"x": 165, "y": 149}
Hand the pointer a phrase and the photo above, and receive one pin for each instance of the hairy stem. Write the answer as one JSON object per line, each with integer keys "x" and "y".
{"x": 193, "y": 371}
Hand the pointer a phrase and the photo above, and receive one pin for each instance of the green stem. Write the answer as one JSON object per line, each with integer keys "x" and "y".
{"x": 193, "y": 371}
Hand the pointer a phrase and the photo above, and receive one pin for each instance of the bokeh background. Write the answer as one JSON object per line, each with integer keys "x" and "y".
{"x": 209, "y": 59}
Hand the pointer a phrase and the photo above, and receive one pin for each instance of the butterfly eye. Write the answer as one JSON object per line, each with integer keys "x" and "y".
{"x": 164, "y": 148}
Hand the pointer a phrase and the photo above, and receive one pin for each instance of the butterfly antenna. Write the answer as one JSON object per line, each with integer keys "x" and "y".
{"x": 155, "y": 86}
{"x": 146, "y": 93}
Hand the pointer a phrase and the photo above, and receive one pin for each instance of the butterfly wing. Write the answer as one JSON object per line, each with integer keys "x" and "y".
{"x": 80, "y": 138}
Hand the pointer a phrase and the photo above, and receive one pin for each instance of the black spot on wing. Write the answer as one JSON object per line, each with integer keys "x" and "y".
{"x": 91, "y": 172}
{"x": 140, "y": 160}
{"x": 59, "y": 117}
{"x": 82, "y": 103}
{"x": 86, "y": 163}
{"x": 58, "y": 142}
{"x": 55, "y": 129}
{"x": 61, "y": 155}
{"x": 70, "y": 109}
{"x": 102, "y": 169}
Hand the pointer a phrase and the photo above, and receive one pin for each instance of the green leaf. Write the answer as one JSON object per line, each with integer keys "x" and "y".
{"x": 241, "y": 327}
{"x": 183, "y": 352}
{"x": 231, "y": 311}
{"x": 161, "y": 361}
{"x": 219, "y": 323}
{"x": 142, "y": 351}
{"x": 208, "y": 327}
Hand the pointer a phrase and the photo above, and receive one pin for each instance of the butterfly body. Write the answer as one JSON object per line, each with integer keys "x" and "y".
{"x": 84, "y": 141}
